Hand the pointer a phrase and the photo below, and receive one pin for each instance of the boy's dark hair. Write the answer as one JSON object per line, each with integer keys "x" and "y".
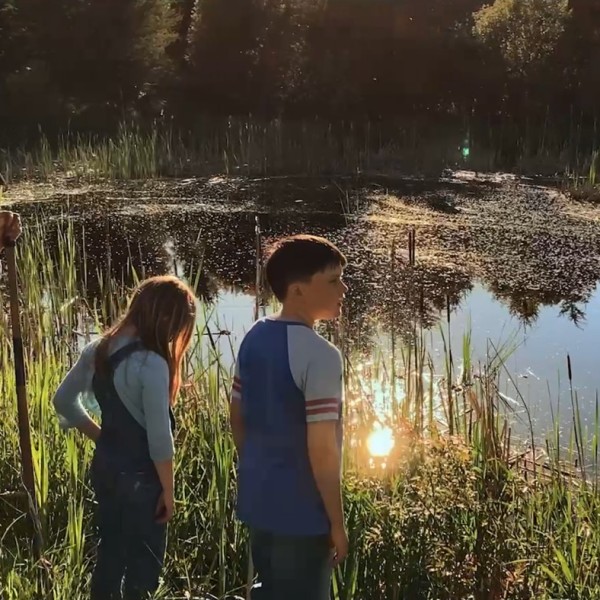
{"x": 298, "y": 258}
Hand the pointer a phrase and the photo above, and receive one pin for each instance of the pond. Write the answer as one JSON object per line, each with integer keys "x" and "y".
{"x": 514, "y": 263}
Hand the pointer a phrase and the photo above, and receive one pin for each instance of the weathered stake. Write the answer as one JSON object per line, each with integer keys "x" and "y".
{"x": 258, "y": 268}
{"x": 22, "y": 408}
{"x": 412, "y": 247}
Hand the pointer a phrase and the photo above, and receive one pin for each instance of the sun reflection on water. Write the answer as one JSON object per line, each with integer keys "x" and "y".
{"x": 380, "y": 442}
{"x": 387, "y": 409}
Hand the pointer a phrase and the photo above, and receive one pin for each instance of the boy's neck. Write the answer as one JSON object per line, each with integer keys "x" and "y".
{"x": 291, "y": 313}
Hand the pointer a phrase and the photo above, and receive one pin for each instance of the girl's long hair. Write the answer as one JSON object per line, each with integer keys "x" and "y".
{"x": 163, "y": 312}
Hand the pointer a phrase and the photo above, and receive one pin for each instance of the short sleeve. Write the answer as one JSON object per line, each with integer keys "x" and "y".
{"x": 323, "y": 385}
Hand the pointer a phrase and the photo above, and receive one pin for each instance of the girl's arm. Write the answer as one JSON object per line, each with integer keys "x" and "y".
{"x": 154, "y": 376}
{"x": 166, "y": 503}
{"x": 90, "y": 429}
{"x": 67, "y": 398}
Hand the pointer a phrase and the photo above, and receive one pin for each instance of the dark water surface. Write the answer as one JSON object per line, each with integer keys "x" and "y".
{"x": 515, "y": 280}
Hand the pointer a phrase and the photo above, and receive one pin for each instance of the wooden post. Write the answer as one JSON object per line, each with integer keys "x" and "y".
{"x": 393, "y": 317}
{"x": 22, "y": 408}
{"x": 258, "y": 266}
{"x": 412, "y": 246}
{"x": 257, "y": 301}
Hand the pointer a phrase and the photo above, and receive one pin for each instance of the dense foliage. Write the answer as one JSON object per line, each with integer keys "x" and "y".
{"x": 88, "y": 64}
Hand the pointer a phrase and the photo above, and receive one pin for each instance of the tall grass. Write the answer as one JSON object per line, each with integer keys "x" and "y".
{"x": 447, "y": 517}
{"x": 232, "y": 147}
{"x": 583, "y": 184}
{"x": 250, "y": 146}
{"x": 235, "y": 146}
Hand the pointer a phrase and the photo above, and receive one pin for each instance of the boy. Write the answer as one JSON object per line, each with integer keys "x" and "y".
{"x": 285, "y": 415}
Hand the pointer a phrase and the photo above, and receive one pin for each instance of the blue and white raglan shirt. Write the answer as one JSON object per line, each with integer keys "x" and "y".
{"x": 286, "y": 376}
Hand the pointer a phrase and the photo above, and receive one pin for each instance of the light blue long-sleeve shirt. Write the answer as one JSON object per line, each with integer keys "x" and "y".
{"x": 142, "y": 382}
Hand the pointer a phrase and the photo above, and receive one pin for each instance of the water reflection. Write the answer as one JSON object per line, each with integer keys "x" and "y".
{"x": 215, "y": 250}
{"x": 533, "y": 280}
{"x": 216, "y": 253}
{"x": 380, "y": 442}
{"x": 208, "y": 226}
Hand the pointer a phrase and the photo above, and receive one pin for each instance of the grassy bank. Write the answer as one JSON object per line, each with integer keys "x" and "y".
{"x": 233, "y": 146}
{"x": 247, "y": 146}
{"x": 451, "y": 515}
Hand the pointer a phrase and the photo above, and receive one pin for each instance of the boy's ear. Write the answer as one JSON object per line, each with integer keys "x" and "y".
{"x": 297, "y": 288}
{"x": 294, "y": 289}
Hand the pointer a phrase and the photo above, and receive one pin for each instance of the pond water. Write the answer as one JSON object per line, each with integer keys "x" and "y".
{"x": 159, "y": 231}
{"x": 536, "y": 353}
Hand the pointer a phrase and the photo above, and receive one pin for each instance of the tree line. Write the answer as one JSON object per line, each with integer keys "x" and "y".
{"x": 92, "y": 63}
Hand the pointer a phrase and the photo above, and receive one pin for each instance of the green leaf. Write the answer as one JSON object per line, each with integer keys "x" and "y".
{"x": 552, "y": 575}
{"x": 564, "y": 565}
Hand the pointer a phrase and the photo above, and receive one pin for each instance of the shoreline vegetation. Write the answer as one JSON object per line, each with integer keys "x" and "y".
{"x": 240, "y": 147}
{"x": 457, "y": 510}
{"x": 236, "y": 146}
{"x": 443, "y": 501}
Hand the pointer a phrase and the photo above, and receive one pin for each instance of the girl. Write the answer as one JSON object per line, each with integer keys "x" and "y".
{"x": 133, "y": 371}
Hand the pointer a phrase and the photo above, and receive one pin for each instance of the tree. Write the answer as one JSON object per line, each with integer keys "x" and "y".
{"x": 184, "y": 10}
{"x": 11, "y": 59}
{"x": 525, "y": 32}
{"x": 102, "y": 52}
{"x": 580, "y": 53}
{"x": 384, "y": 57}
{"x": 246, "y": 55}
{"x": 6, "y": 33}
{"x": 223, "y": 38}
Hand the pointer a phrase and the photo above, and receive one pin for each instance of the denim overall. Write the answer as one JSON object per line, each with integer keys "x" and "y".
{"x": 132, "y": 544}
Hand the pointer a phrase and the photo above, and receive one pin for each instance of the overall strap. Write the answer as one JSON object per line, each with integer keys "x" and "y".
{"x": 115, "y": 359}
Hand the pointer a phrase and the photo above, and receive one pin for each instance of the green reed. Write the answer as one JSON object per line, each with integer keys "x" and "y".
{"x": 446, "y": 517}
{"x": 250, "y": 146}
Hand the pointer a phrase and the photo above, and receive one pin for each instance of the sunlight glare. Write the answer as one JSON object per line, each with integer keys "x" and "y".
{"x": 380, "y": 442}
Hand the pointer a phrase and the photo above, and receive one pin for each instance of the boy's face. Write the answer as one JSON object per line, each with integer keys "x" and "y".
{"x": 322, "y": 296}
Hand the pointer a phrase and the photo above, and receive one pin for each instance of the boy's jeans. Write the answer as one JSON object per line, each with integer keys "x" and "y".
{"x": 291, "y": 567}
{"x": 132, "y": 544}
